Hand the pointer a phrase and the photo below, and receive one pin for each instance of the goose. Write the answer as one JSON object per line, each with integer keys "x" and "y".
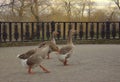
{"x": 54, "y": 33}
{"x": 32, "y": 51}
{"x": 66, "y": 51}
{"x": 37, "y": 57}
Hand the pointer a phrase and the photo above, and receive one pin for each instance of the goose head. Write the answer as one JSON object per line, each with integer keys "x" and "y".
{"x": 52, "y": 46}
{"x": 54, "y": 33}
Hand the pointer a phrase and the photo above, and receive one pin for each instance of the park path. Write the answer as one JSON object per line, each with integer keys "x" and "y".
{"x": 89, "y": 63}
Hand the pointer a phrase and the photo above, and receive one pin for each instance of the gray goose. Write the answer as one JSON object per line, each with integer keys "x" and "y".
{"x": 37, "y": 57}
{"x": 54, "y": 33}
{"x": 32, "y": 51}
{"x": 66, "y": 51}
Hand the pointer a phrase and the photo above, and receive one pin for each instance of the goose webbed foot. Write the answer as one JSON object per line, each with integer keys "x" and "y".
{"x": 30, "y": 70}
{"x": 65, "y": 63}
{"x": 44, "y": 69}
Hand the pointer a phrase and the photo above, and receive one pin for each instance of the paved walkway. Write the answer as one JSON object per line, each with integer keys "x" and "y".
{"x": 89, "y": 63}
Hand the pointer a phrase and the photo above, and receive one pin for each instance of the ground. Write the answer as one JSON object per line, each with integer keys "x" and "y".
{"x": 89, "y": 63}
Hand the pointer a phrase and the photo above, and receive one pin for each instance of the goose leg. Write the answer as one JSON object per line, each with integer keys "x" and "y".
{"x": 30, "y": 70}
{"x": 65, "y": 62}
{"x": 48, "y": 56}
{"x": 44, "y": 69}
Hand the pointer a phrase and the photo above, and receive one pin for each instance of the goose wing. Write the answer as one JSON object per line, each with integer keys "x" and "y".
{"x": 34, "y": 60}
{"x": 38, "y": 56}
{"x": 27, "y": 54}
{"x": 65, "y": 49}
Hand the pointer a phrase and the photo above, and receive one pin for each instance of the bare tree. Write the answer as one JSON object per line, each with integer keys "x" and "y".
{"x": 4, "y": 6}
{"x": 12, "y": 3}
{"x": 117, "y": 2}
{"x": 67, "y": 5}
{"x": 80, "y": 8}
{"x": 90, "y": 4}
{"x": 114, "y": 10}
{"x": 38, "y": 7}
{"x": 72, "y": 7}
{"x": 26, "y": 10}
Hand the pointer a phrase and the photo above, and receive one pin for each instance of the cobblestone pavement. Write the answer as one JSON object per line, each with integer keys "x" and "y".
{"x": 89, "y": 63}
